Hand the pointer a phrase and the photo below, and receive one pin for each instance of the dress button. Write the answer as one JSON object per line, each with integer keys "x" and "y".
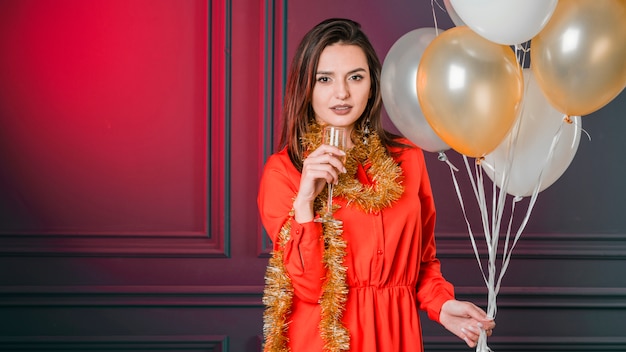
{"x": 297, "y": 231}
{"x": 380, "y": 252}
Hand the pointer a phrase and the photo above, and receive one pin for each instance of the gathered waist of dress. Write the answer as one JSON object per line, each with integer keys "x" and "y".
{"x": 386, "y": 287}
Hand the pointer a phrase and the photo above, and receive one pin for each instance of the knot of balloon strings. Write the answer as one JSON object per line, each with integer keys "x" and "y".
{"x": 443, "y": 157}
{"x": 568, "y": 119}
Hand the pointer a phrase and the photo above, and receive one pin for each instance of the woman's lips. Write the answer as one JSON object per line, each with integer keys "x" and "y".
{"x": 341, "y": 109}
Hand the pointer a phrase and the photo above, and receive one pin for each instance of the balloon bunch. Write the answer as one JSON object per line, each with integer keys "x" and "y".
{"x": 465, "y": 89}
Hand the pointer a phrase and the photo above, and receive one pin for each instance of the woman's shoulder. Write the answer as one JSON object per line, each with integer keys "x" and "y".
{"x": 409, "y": 156}
{"x": 404, "y": 147}
{"x": 280, "y": 161}
{"x": 403, "y": 141}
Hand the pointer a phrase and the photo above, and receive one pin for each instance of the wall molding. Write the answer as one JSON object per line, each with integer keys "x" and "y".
{"x": 219, "y": 118}
{"x": 532, "y": 343}
{"x": 539, "y": 246}
{"x": 274, "y": 75}
{"x": 549, "y": 297}
{"x": 131, "y": 296}
{"x": 200, "y": 343}
{"x": 536, "y": 246}
{"x": 250, "y": 296}
{"x": 214, "y": 239}
{"x": 220, "y": 343}
{"x": 119, "y": 245}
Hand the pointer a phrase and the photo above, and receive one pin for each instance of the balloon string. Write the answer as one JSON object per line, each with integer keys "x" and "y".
{"x": 569, "y": 120}
{"x": 524, "y": 50}
{"x": 432, "y": 6}
{"x": 508, "y": 252}
{"x": 481, "y": 346}
{"x": 491, "y": 236}
{"x": 482, "y": 202}
{"x": 492, "y": 233}
{"x": 467, "y": 222}
{"x": 504, "y": 184}
{"x": 521, "y": 47}
{"x": 502, "y": 194}
{"x": 442, "y": 8}
{"x": 478, "y": 187}
{"x": 482, "y": 211}
{"x": 443, "y": 157}
{"x": 492, "y": 228}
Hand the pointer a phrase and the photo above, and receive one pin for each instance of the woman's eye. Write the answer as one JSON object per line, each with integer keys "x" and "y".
{"x": 323, "y": 79}
{"x": 356, "y": 77}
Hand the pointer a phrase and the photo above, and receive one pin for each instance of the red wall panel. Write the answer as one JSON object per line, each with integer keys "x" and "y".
{"x": 103, "y": 116}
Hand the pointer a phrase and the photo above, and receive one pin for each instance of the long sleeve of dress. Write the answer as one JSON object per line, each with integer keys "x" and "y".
{"x": 303, "y": 251}
{"x": 433, "y": 289}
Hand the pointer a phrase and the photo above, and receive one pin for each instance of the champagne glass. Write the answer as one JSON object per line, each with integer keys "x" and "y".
{"x": 335, "y": 136}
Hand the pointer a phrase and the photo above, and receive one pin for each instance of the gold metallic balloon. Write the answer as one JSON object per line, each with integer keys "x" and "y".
{"x": 579, "y": 58}
{"x": 470, "y": 90}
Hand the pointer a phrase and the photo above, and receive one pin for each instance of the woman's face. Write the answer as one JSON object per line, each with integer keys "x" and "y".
{"x": 342, "y": 85}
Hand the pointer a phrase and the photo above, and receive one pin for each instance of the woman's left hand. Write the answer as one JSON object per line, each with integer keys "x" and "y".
{"x": 465, "y": 320}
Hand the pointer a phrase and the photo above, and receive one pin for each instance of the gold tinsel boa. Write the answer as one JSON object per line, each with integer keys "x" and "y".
{"x": 277, "y": 295}
{"x": 386, "y": 188}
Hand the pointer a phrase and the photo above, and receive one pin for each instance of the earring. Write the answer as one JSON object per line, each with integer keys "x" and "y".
{"x": 366, "y": 131}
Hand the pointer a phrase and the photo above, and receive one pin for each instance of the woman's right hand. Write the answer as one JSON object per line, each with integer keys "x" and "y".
{"x": 322, "y": 166}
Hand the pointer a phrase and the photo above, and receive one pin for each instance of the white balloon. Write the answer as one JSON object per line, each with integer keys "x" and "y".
{"x": 507, "y": 22}
{"x": 531, "y": 161}
{"x": 399, "y": 91}
{"x": 452, "y": 13}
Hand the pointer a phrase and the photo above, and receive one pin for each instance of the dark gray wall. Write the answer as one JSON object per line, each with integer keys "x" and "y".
{"x": 565, "y": 289}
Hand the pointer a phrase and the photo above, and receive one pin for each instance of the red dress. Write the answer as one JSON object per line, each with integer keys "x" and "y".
{"x": 392, "y": 268}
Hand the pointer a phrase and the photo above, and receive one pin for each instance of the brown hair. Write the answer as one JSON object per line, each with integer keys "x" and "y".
{"x": 297, "y": 110}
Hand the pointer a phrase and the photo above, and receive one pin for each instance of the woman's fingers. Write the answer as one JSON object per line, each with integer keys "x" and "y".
{"x": 322, "y": 166}
{"x": 471, "y": 333}
{"x": 327, "y": 172}
{"x": 466, "y": 320}
{"x": 326, "y": 155}
{"x": 320, "y": 162}
{"x": 327, "y": 149}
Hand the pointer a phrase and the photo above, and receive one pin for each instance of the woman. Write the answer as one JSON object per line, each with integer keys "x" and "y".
{"x": 356, "y": 285}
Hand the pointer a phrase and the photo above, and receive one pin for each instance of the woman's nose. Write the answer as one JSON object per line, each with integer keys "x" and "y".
{"x": 342, "y": 91}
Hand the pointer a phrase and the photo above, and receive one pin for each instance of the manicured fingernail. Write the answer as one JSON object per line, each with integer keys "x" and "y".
{"x": 344, "y": 170}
